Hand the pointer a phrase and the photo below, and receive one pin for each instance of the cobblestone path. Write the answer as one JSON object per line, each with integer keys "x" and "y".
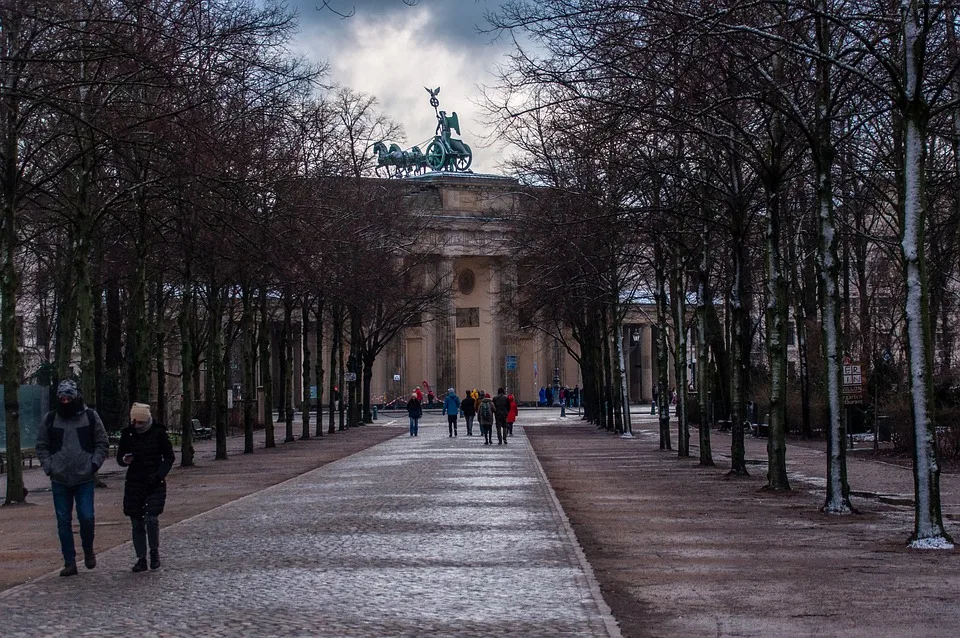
{"x": 425, "y": 536}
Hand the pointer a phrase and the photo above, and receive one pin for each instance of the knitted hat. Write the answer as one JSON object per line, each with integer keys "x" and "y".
{"x": 68, "y": 389}
{"x": 140, "y": 412}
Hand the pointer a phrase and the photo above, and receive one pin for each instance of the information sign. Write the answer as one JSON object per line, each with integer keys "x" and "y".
{"x": 854, "y": 382}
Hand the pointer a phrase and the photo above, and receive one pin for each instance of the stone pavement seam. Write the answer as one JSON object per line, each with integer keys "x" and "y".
{"x": 56, "y": 572}
{"x": 613, "y": 629}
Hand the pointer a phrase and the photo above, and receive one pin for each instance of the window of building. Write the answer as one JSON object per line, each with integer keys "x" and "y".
{"x": 468, "y": 317}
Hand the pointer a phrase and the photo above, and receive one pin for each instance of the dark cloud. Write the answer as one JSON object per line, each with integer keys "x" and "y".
{"x": 455, "y": 23}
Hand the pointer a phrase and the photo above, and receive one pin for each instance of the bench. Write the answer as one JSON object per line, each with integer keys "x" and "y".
{"x": 200, "y": 432}
{"x": 760, "y": 430}
{"x": 725, "y": 425}
{"x": 28, "y": 454}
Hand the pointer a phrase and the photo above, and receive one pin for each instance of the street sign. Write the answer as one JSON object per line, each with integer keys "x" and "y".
{"x": 396, "y": 378}
{"x": 511, "y": 362}
{"x": 854, "y": 382}
{"x": 350, "y": 376}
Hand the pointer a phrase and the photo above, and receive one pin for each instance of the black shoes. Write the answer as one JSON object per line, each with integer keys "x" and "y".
{"x": 141, "y": 565}
{"x": 69, "y": 569}
{"x": 90, "y": 560}
{"x": 154, "y": 560}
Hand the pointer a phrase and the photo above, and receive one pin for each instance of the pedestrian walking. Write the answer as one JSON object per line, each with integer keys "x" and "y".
{"x": 451, "y": 405}
{"x": 501, "y": 406}
{"x": 414, "y": 411}
{"x": 655, "y": 393}
{"x": 549, "y": 399}
{"x": 469, "y": 408}
{"x": 542, "y": 397}
{"x": 576, "y": 395}
{"x": 485, "y": 416}
{"x": 511, "y": 414}
{"x": 146, "y": 452}
{"x": 71, "y": 446}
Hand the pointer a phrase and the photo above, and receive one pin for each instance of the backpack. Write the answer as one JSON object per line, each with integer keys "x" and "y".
{"x": 486, "y": 413}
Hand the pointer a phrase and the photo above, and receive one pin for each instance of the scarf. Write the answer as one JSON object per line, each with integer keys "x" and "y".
{"x": 143, "y": 427}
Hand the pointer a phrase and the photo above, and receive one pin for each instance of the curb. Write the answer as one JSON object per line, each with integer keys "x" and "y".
{"x": 606, "y": 614}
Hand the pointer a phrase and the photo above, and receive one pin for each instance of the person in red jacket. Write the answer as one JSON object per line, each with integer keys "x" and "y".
{"x": 511, "y": 414}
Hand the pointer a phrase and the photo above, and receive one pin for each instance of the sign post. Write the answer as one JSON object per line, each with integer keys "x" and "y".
{"x": 853, "y": 390}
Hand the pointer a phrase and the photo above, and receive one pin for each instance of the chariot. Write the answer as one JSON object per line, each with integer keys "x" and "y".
{"x": 444, "y": 152}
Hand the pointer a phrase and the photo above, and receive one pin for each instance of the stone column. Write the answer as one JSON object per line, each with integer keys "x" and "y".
{"x": 497, "y": 333}
{"x": 446, "y": 330}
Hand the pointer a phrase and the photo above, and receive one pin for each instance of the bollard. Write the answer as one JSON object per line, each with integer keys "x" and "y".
{"x": 374, "y": 413}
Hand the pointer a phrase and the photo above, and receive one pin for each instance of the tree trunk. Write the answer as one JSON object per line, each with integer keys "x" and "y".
{"x": 663, "y": 376}
{"x": 286, "y": 368}
{"x": 247, "y": 345}
{"x": 186, "y": 374}
{"x": 703, "y": 353}
{"x": 354, "y": 367}
{"x": 837, "y": 499}
{"x": 367, "y": 359}
{"x": 678, "y": 301}
{"x": 85, "y": 323}
{"x": 738, "y": 361}
{"x": 319, "y": 367}
{"x": 623, "y": 398}
{"x": 608, "y": 402}
{"x": 304, "y": 327}
{"x": 337, "y": 326}
{"x": 161, "y": 345}
{"x": 215, "y": 370}
{"x": 776, "y": 320}
{"x": 928, "y": 531}
{"x": 138, "y": 344}
{"x": 11, "y": 352}
{"x": 266, "y": 372}
{"x": 340, "y": 374}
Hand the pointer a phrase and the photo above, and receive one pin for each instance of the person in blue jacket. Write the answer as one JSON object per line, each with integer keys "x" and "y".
{"x": 451, "y": 405}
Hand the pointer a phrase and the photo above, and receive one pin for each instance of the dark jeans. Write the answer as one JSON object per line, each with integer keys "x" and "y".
{"x": 452, "y": 424}
{"x": 501, "y": 429}
{"x": 63, "y": 499}
{"x": 469, "y": 425}
{"x": 414, "y": 426}
{"x": 486, "y": 431}
{"x": 145, "y": 529}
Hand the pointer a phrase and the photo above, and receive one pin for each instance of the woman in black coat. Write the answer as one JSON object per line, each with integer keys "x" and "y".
{"x": 415, "y": 412}
{"x": 146, "y": 452}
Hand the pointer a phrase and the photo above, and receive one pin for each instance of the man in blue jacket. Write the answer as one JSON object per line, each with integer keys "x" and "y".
{"x": 71, "y": 446}
{"x": 451, "y": 405}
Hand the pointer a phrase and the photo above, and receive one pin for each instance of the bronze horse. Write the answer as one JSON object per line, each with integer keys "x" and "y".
{"x": 403, "y": 162}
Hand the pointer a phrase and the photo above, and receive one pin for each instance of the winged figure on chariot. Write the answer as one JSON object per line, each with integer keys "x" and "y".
{"x": 443, "y": 153}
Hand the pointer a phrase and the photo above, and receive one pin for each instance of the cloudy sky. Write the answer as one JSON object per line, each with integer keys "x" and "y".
{"x": 392, "y": 51}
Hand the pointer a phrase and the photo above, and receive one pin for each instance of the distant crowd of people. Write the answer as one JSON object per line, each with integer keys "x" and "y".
{"x": 567, "y": 397}
{"x": 475, "y": 406}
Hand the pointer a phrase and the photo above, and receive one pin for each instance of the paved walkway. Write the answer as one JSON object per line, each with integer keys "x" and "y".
{"x": 426, "y": 536}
